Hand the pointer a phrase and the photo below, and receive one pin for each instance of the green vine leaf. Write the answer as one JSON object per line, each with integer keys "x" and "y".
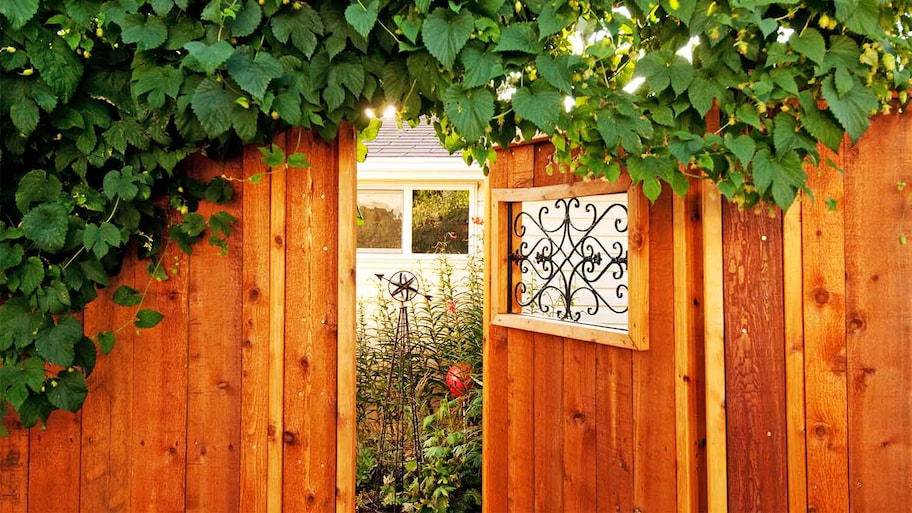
{"x": 852, "y": 109}
{"x": 362, "y": 17}
{"x": 37, "y": 187}
{"x": 445, "y": 33}
{"x": 207, "y": 58}
{"x": 19, "y": 11}
{"x": 101, "y": 238}
{"x": 253, "y": 73}
{"x": 519, "y": 37}
{"x": 540, "y": 105}
{"x": 68, "y": 391}
{"x": 469, "y": 109}
{"x": 127, "y": 296}
{"x": 809, "y": 43}
{"x": 147, "y": 32}
{"x": 147, "y": 318}
{"x": 46, "y": 225}
{"x": 18, "y": 325}
{"x": 56, "y": 344}
{"x": 106, "y": 342}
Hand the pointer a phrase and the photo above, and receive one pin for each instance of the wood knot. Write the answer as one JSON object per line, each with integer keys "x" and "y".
{"x": 886, "y": 443}
{"x": 203, "y": 451}
{"x": 254, "y": 294}
{"x": 174, "y": 295}
{"x": 821, "y": 430}
{"x": 821, "y": 296}
{"x": 579, "y": 418}
{"x": 289, "y": 438}
{"x": 172, "y": 450}
{"x": 222, "y": 385}
{"x": 855, "y": 324}
{"x": 305, "y": 363}
{"x": 635, "y": 240}
{"x": 270, "y": 430}
{"x": 279, "y": 240}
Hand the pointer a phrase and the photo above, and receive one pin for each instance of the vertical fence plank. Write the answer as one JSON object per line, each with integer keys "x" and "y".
{"x": 310, "y": 328}
{"x": 54, "y": 464}
{"x": 494, "y": 426}
{"x": 214, "y": 365}
{"x": 879, "y": 316}
{"x": 714, "y": 346}
{"x": 796, "y": 456}
{"x": 823, "y": 247}
{"x": 614, "y": 424}
{"x": 14, "y": 461}
{"x": 277, "y": 284}
{"x": 521, "y": 444}
{"x": 107, "y": 415}
{"x": 346, "y": 364}
{"x": 655, "y": 479}
{"x": 754, "y": 360}
{"x": 579, "y": 416}
{"x": 159, "y": 393}
{"x": 255, "y": 299}
{"x": 688, "y": 334}
{"x": 547, "y": 387}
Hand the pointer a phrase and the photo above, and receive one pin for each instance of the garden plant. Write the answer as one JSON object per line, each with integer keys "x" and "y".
{"x": 437, "y": 468}
{"x": 102, "y": 101}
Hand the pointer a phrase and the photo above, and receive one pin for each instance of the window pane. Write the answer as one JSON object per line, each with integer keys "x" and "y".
{"x": 382, "y": 215}
{"x": 440, "y": 221}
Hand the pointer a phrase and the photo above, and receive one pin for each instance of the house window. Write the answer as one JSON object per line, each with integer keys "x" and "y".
{"x": 571, "y": 260}
{"x": 414, "y": 220}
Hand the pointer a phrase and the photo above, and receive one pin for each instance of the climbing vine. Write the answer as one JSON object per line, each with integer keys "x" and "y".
{"x": 101, "y": 102}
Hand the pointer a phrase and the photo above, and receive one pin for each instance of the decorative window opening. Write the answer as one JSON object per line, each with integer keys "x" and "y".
{"x": 572, "y": 261}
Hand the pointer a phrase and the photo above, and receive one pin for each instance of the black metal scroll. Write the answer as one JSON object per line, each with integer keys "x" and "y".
{"x": 566, "y": 262}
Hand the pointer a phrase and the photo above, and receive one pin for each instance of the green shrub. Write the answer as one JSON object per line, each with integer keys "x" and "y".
{"x": 440, "y": 464}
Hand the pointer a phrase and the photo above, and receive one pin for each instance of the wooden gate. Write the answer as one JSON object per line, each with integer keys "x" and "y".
{"x": 242, "y": 399}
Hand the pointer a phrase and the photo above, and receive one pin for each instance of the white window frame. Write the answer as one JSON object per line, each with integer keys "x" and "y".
{"x": 448, "y": 185}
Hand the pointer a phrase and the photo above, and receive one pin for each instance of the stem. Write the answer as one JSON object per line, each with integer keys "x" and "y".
{"x": 82, "y": 249}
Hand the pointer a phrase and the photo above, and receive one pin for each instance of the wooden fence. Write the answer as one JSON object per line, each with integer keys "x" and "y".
{"x": 779, "y": 370}
{"x": 778, "y": 375}
{"x": 231, "y": 403}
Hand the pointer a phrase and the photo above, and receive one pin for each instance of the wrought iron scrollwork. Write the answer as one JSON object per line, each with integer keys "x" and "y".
{"x": 564, "y": 263}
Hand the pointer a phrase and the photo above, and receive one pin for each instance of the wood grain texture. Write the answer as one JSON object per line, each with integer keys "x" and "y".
{"x": 714, "y": 350}
{"x": 54, "y": 465}
{"x": 107, "y": 414}
{"x": 547, "y": 398}
{"x": 14, "y": 462}
{"x": 494, "y": 426}
{"x": 310, "y": 328}
{"x": 275, "y": 448}
{"x": 796, "y": 406}
{"x": 521, "y": 441}
{"x": 755, "y": 360}
{"x": 158, "y": 452}
{"x": 215, "y": 361}
{"x": 688, "y": 333}
{"x": 654, "y": 470}
{"x": 823, "y": 270}
{"x": 579, "y": 422}
{"x": 255, "y": 299}
{"x": 614, "y": 426}
{"x": 879, "y": 317}
{"x": 346, "y": 365}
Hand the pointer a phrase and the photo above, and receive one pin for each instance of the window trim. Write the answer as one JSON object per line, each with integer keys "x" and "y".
{"x": 637, "y": 335}
{"x": 406, "y": 243}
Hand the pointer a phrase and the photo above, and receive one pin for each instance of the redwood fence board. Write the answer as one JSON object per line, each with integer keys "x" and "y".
{"x": 177, "y": 418}
{"x": 879, "y": 317}
{"x": 755, "y": 364}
